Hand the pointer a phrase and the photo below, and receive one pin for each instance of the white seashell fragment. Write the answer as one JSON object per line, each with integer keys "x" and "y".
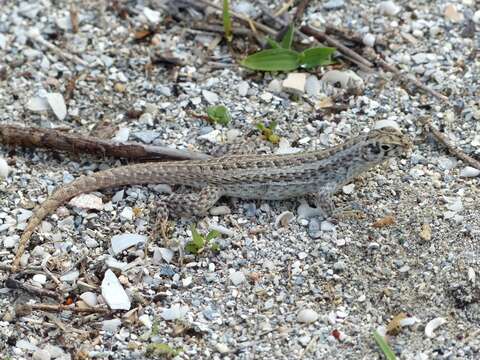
{"x": 433, "y": 325}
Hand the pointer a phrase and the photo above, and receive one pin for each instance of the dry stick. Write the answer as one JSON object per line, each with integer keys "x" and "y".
{"x": 25, "y": 309}
{"x": 74, "y": 143}
{"x": 441, "y": 138}
{"x": 300, "y": 10}
{"x": 15, "y": 284}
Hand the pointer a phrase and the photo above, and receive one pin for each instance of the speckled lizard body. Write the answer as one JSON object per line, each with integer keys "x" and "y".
{"x": 272, "y": 177}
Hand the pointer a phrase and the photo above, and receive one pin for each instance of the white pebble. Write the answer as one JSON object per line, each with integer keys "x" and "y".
{"x": 210, "y": 97}
{"x": 347, "y": 79}
{"x": 222, "y": 348}
{"x": 388, "y": 8}
{"x": 275, "y": 86}
{"x": 327, "y": 226}
{"x": 37, "y": 104}
{"x": 312, "y": 86}
{"x": 145, "y": 320}
{"x": 124, "y": 241}
{"x": 39, "y": 279}
{"x": 348, "y": 189}
{"x": 4, "y": 169}
{"x": 41, "y": 354}
{"x": 71, "y": 276}
{"x": 111, "y": 326}
{"x": 284, "y": 219}
{"x": 127, "y": 213}
{"x": 90, "y": 298}
{"x": 295, "y": 83}
{"x": 476, "y": 17}
{"x": 87, "y": 201}
{"x": 307, "y": 316}
{"x": 151, "y": 15}
{"x": 243, "y": 88}
{"x": 469, "y": 171}
{"x": 385, "y": 124}
{"x": 122, "y": 135}
{"x": 9, "y": 242}
{"x": 433, "y": 325}
{"x": 369, "y": 40}
{"x": 237, "y": 277}
{"x": 176, "y": 312}
{"x": 113, "y": 292}
{"x": 57, "y": 104}
{"x": 220, "y": 210}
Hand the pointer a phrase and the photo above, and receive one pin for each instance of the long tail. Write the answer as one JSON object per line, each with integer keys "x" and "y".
{"x": 125, "y": 175}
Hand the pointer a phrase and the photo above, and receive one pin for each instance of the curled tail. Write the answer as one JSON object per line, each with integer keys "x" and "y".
{"x": 131, "y": 174}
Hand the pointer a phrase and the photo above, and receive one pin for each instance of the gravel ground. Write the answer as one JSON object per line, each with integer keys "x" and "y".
{"x": 310, "y": 289}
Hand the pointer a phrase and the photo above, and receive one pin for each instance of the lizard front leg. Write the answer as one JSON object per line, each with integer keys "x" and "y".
{"x": 190, "y": 204}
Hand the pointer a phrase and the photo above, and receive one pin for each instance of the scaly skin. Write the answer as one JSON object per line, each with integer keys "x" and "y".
{"x": 271, "y": 177}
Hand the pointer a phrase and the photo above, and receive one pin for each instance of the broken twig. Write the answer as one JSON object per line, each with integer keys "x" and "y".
{"x": 74, "y": 143}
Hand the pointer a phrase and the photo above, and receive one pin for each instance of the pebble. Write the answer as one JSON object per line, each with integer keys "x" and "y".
{"x": 386, "y": 123}
{"x": 9, "y": 242}
{"x": 57, "y": 104}
{"x": 210, "y": 97}
{"x": 220, "y": 210}
{"x": 176, "y": 312}
{"x": 111, "y": 326}
{"x": 243, "y": 88}
{"x": 122, "y": 135}
{"x": 118, "y": 196}
{"x": 113, "y": 292}
{"x": 90, "y": 298}
{"x": 124, "y": 241}
{"x": 87, "y": 201}
{"x": 127, "y": 213}
{"x": 237, "y": 277}
{"x": 221, "y": 229}
{"x": 275, "y": 86}
{"x": 307, "y": 316}
{"x": 37, "y": 104}
{"x": 476, "y": 17}
{"x": 166, "y": 254}
{"x": 333, "y": 4}
{"x": 305, "y": 211}
{"x": 41, "y": 354}
{"x": 222, "y": 348}
{"x": 266, "y": 96}
{"x": 39, "y": 279}
{"x": 145, "y": 320}
{"x": 469, "y": 171}
{"x": 433, "y": 325}
{"x": 295, "y": 83}
{"x": 369, "y": 40}
{"x": 71, "y": 276}
{"x": 147, "y": 136}
{"x": 327, "y": 226}
{"x": 389, "y": 8}
{"x": 4, "y": 169}
{"x": 348, "y": 189}
{"x": 284, "y": 219}
{"x": 312, "y": 86}
{"x": 451, "y": 13}
{"x": 347, "y": 79}
{"x": 152, "y": 15}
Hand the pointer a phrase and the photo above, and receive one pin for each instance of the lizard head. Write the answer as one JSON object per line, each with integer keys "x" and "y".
{"x": 385, "y": 143}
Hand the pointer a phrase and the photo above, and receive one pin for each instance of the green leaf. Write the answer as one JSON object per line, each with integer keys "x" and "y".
{"x": 272, "y": 60}
{"x": 287, "y": 39}
{"x": 272, "y": 43}
{"x": 382, "y": 344}
{"x": 161, "y": 350}
{"x": 316, "y": 56}
{"x": 219, "y": 114}
{"x": 213, "y": 234}
{"x": 227, "y": 21}
{"x": 215, "y": 247}
{"x": 197, "y": 243}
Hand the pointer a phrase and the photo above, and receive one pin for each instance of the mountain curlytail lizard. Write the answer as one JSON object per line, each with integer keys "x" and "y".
{"x": 319, "y": 173}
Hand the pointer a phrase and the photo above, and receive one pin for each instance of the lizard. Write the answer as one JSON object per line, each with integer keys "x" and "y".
{"x": 317, "y": 173}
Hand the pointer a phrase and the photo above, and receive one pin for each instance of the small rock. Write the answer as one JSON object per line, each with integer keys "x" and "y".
{"x": 122, "y": 135}
{"x": 433, "y": 325}
{"x": 275, "y": 86}
{"x": 145, "y": 320}
{"x": 451, "y": 13}
{"x": 38, "y": 104}
{"x": 346, "y": 79}
{"x": 237, "y": 277}
{"x": 4, "y": 169}
{"x": 426, "y": 232}
{"x": 369, "y": 40}
{"x": 111, "y": 326}
{"x": 243, "y": 88}
{"x": 127, "y": 213}
{"x": 348, "y": 189}
{"x": 41, "y": 354}
{"x": 210, "y": 97}
{"x": 9, "y": 242}
{"x": 386, "y": 123}
{"x": 152, "y": 15}
{"x": 220, "y": 210}
{"x": 57, "y": 104}
{"x": 295, "y": 83}
{"x": 146, "y": 136}
{"x": 124, "y": 241}
{"x": 89, "y": 298}
{"x": 284, "y": 219}
{"x": 118, "y": 196}
{"x": 312, "y": 86}
{"x": 469, "y": 171}
{"x": 389, "y": 8}
{"x": 213, "y": 137}
{"x": 113, "y": 292}
{"x": 166, "y": 254}
{"x": 39, "y": 279}
{"x": 222, "y": 348}
{"x": 176, "y": 312}
{"x": 266, "y": 96}
{"x": 307, "y": 316}
{"x": 87, "y": 201}
{"x": 476, "y": 17}
{"x": 333, "y": 4}
{"x": 327, "y": 226}
{"x": 71, "y": 276}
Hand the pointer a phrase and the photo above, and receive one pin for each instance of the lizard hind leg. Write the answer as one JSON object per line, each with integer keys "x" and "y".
{"x": 189, "y": 204}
